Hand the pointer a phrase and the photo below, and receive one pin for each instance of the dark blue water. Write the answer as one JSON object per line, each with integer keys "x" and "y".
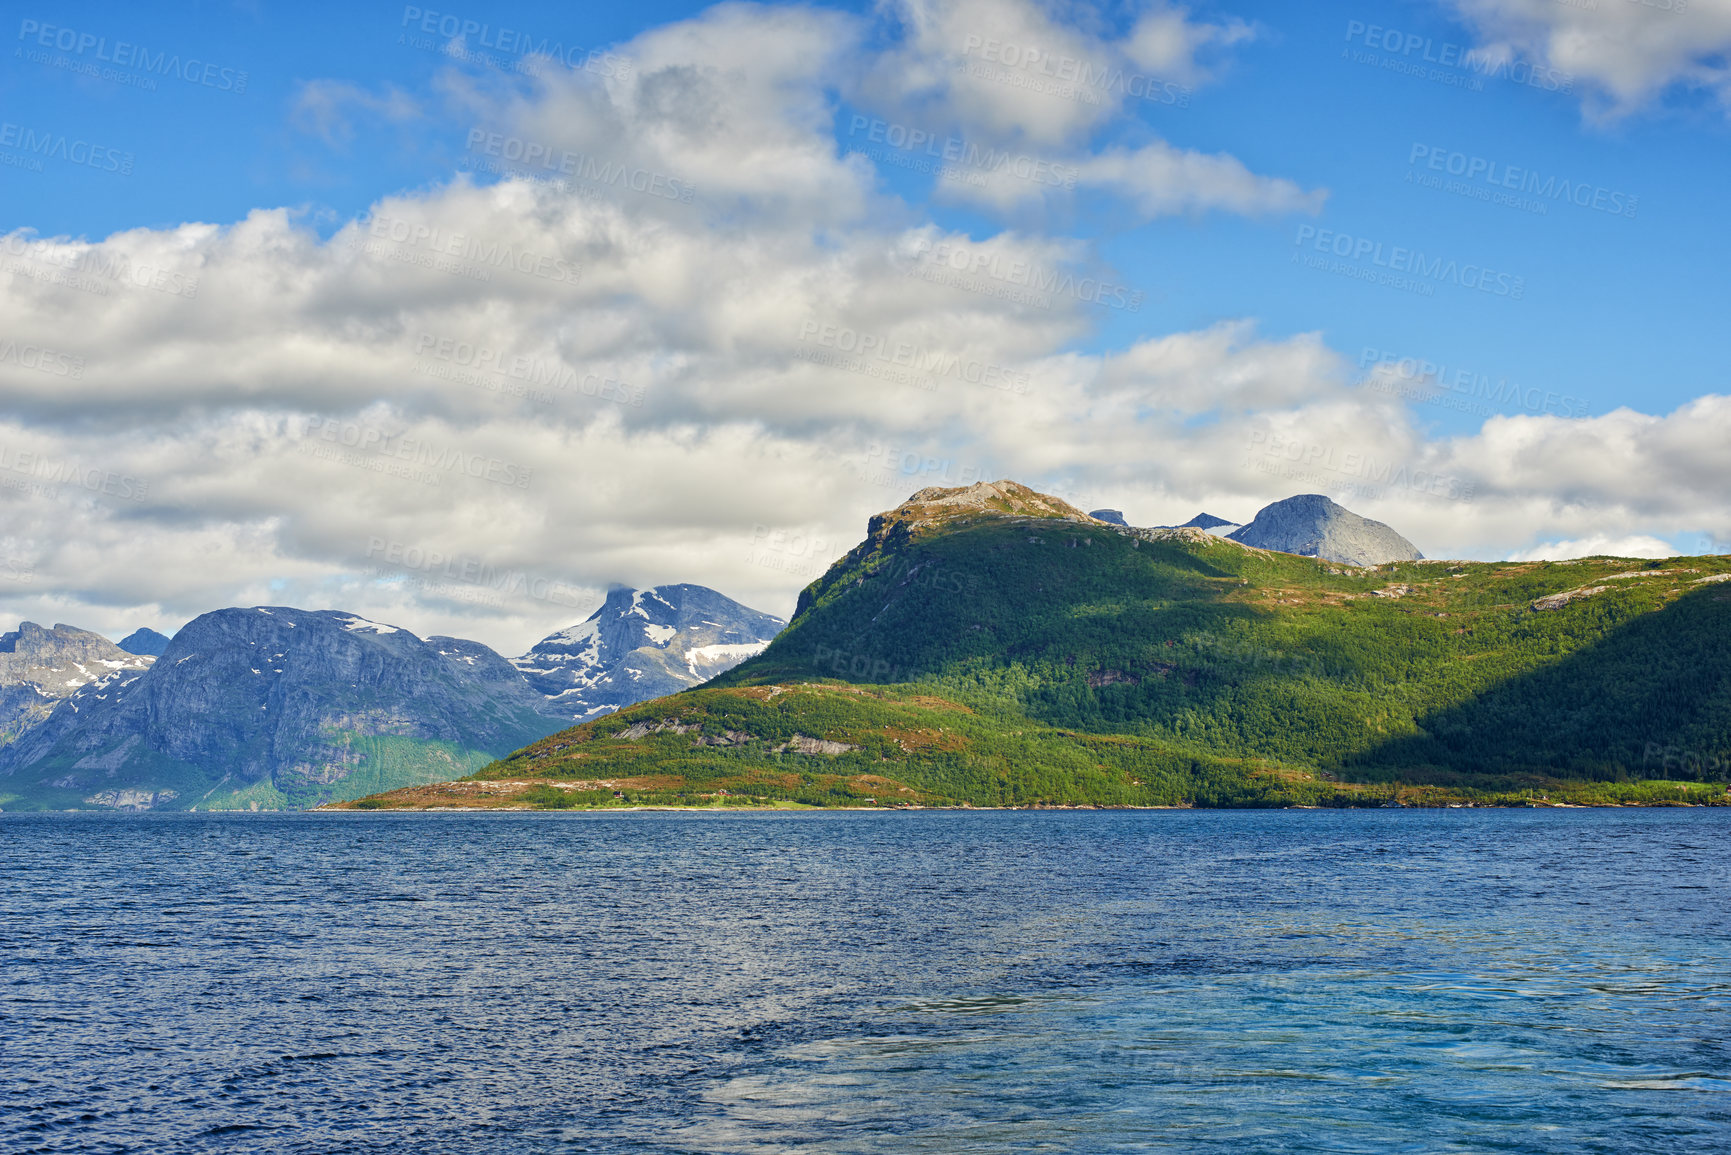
{"x": 912, "y": 982}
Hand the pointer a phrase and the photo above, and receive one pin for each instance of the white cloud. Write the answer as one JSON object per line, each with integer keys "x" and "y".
{"x": 1624, "y": 53}
{"x": 328, "y": 108}
{"x": 1023, "y": 95}
{"x": 1161, "y": 180}
{"x": 1167, "y": 42}
{"x": 674, "y": 381}
{"x": 1598, "y": 545}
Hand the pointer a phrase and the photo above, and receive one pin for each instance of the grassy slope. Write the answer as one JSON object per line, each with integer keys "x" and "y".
{"x": 998, "y": 661}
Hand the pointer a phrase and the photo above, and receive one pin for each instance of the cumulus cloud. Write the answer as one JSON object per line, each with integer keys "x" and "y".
{"x": 1019, "y": 95}
{"x": 474, "y": 407}
{"x": 1624, "y": 54}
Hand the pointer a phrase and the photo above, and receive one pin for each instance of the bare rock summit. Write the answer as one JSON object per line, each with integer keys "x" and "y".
{"x": 1314, "y": 526}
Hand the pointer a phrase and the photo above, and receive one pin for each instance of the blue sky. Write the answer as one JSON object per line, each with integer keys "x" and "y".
{"x": 1617, "y": 311}
{"x": 1340, "y": 148}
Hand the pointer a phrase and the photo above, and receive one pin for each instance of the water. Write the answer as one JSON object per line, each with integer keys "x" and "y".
{"x": 909, "y": 982}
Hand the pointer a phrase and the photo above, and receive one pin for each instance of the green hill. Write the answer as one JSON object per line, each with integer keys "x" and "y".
{"x": 1009, "y": 650}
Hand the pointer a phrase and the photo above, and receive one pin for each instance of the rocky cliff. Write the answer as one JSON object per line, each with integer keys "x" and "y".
{"x": 276, "y": 706}
{"x": 40, "y": 668}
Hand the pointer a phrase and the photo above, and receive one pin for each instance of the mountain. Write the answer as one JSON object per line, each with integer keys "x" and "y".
{"x": 39, "y": 668}
{"x": 144, "y": 642}
{"x": 1109, "y": 516}
{"x": 1312, "y": 525}
{"x": 642, "y": 644}
{"x": 1218, "y": 526}
{"x": 992, "y": 646}
{"x": 271, "y": 707}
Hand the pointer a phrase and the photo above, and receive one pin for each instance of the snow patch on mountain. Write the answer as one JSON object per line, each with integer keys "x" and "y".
{"x": 719, "y": 659}
{"x": 353, "y": 623}
{"x": 642, "y": 644}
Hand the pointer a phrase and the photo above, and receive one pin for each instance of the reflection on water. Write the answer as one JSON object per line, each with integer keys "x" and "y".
{"x": 943, "y": 982}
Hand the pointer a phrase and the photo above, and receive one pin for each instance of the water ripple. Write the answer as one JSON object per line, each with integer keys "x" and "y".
{"x": 933, "y": 982}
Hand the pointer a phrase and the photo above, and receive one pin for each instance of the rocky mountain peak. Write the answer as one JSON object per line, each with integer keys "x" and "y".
{"x": 931, "y": 508}
{"x": 62, "y": 659}
{"x": 283, "y": 702}
{"x": 1004, "y": 496}
{"x": 642, "y": 644}
{"x": 41, "y": 667}
{"x": 144, "y": 641}
{"x": 1315, "y": 526}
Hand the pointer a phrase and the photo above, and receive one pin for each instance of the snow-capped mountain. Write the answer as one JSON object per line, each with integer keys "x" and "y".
{"x": 40, "y": 667}
{"x": 642, "y": 644}
{"x": 269, "y": 704}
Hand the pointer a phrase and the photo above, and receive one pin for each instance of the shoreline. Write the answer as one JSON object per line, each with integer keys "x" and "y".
{"x": 346, "y": 808}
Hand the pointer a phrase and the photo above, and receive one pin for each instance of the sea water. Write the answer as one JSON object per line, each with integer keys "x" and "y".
{"x": 939, "y": 981}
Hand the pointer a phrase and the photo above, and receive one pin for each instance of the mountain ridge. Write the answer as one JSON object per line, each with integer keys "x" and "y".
{"x": 275, "y": 706}
{"x": 1009, "y": 654}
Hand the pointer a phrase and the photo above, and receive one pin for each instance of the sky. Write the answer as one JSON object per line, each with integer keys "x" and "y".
{"x": 456, "y": 317}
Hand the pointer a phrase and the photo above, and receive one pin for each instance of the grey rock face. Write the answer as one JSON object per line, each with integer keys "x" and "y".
{"x": 1112, "y": 516}
{"x": 642, "y": 644}
{"x": 40, "y": 667}
{"x": 302, "y": 700}
{"x": 144, "y": 642}
{"x": 1312, "y": 525}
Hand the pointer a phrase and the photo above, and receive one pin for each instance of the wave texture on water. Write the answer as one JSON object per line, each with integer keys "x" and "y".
{"x": 914, "y": 982}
